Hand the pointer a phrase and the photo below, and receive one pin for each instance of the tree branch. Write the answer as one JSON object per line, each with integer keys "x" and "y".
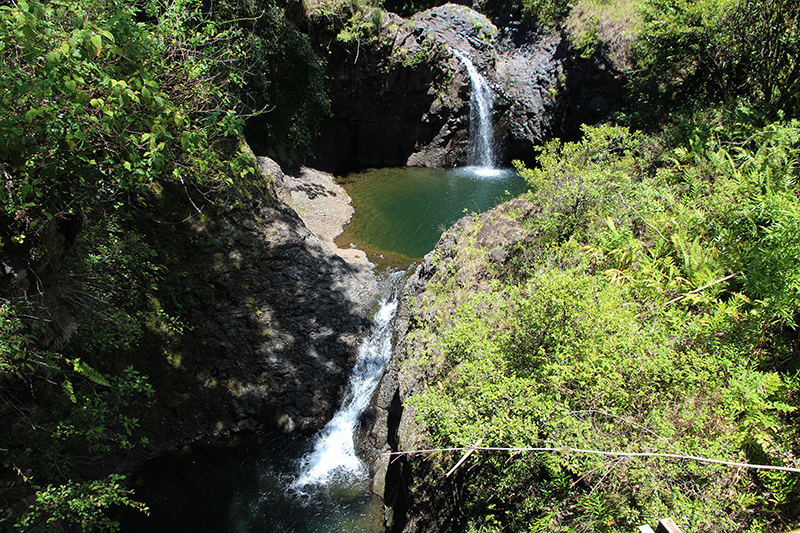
{"x": 704, "y": 287}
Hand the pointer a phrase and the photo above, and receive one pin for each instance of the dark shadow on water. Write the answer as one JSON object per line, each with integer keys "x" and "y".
{"x": 240, "y": 489}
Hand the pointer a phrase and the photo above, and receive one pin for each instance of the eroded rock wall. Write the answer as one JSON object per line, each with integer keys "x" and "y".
{"x": 275, "y": 338}
{"x": 404, "y": 98}
{"x": 266, "y": 318}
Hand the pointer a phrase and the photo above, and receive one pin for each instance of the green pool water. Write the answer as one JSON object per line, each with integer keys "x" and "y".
{"x": 400, "y": 213}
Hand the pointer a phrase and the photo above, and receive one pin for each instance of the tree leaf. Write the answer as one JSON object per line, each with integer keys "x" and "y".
{"x": 51, "y": 58}
{"x": 97, "y": 42}
{"x": 88, "y": 372}
{"x": 28, "y": 32}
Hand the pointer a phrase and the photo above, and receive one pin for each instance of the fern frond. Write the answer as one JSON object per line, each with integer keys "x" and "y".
{"x": 89, "y": 373}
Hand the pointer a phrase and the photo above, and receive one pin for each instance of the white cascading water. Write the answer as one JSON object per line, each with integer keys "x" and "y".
{"x": 481, "y": 150}
{"x": 334, "y": 456}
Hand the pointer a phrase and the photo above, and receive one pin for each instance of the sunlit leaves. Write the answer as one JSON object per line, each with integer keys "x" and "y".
{"x": 659, "y": 315}
{"x": 84, "y": 78}
{"x": 708, "y": 51}
{"x": 83, "y": 504}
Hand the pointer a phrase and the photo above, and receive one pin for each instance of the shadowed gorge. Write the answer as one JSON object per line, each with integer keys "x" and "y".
{"x": 599, "y": 201}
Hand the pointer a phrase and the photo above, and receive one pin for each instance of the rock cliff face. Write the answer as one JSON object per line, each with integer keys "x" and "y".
{"x": 404, "y": 100}
{"x": 271, "y": 318}
{"x": 276, "y": 338}
{"x": 468, "y": 256}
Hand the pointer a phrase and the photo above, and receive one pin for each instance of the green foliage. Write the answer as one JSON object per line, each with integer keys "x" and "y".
{"x": 114, "y": 277}
{"x": 87, "y": 415}
{"x": 428, "y": 52}
{"x": 106, "y": 107}
{"x": 97, "y": 105}
{"x": 588, "y": 42}
{"x": 700, "y": 52}
{"x": 548, "y": 11}
{"x": 97, "y": 109}
{"x": 597, "y": 27}
{"x": 653, "y": 309}
{"x": 80, "y": 504}
{"x": 406, "y": 8}
{"x": 583, "y": 176}
{"x": 91, "y": 414}
{"x": 363, "y": 25}
{"x": 14, "y": 345}
{"x": 95, "y": 418}
{"x": 349, "y": 25}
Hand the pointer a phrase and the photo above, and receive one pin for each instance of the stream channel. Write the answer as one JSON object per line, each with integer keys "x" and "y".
{"x": 274, "y": 483}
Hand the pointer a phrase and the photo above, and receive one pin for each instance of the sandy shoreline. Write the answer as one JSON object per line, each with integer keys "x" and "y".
{"x": 325, "y": 208}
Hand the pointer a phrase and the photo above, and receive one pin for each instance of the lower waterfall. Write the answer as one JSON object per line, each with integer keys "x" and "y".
{"x": 277, "y": 483}
{"x": 333, "y": 458}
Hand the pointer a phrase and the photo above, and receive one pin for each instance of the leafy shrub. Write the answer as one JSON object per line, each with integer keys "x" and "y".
{"x": 657, "y": 319}
{"x": 80, "y": 504}
{"x": 98, "y": 105}
{"x": 548, "y": 11}
{"x": 14, "y": 345}
{"x": 608, "y": 28}
{"x": 700, "y": 52}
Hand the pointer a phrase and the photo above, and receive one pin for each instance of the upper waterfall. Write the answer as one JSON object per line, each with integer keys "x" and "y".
{"x": 481, "y": 138}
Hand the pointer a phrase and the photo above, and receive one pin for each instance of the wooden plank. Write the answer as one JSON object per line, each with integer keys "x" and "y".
{"x": 645, "y": 529}
{"x": 667, "y": 526}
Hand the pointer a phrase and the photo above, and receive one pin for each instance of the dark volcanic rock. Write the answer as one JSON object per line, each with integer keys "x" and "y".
{"x": 266, "y": 329}
{"x": 379, "y": 95}
{"x": 286, "y": 317}
{"x": 404, "y": 99}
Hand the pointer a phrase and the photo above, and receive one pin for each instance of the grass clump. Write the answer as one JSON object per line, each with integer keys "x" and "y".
{"x": 603, "y": 27}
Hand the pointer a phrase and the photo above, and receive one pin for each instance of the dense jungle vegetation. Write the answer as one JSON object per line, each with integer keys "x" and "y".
{"x": 653, "y": 309}
{"x": 113, "y": 112}
{"x": 656, "y": 310}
